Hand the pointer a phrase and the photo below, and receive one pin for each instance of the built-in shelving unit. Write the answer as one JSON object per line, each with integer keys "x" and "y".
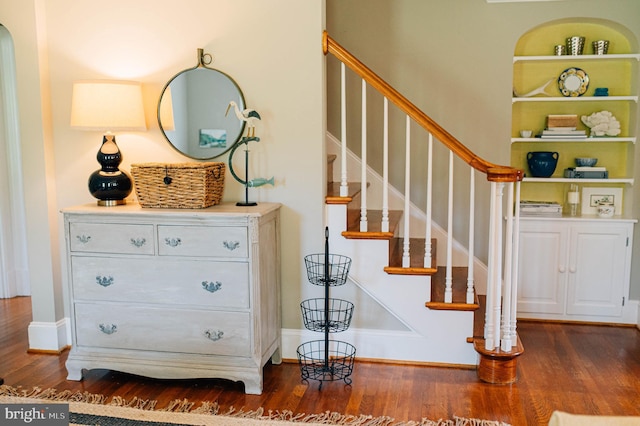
{"x": 608, "y": 56}
{"x": 617, "y": 70}
{"x": 576, "y": 268}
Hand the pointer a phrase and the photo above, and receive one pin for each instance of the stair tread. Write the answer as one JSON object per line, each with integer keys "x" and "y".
{"x": 459, "y": 288}
{"x": 374, "y": 225}
{"x": 333, "y": 193}
{"x": 416, "y": 261}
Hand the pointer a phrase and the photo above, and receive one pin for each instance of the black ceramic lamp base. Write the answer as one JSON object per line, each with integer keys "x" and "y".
{"x": 110, "y": 188}
{"x": 110, "y": 185}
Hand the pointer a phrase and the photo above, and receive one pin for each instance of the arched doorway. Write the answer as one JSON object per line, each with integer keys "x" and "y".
{"x": 13, "y": 249}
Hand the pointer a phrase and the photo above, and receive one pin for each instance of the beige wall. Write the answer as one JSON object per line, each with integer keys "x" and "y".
{"x": 458, "y": 55}
{"x": 453, "y": 59}
{"x": 272, "y": 50}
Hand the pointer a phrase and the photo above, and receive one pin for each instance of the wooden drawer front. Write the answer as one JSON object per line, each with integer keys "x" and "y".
{"x": 111, "y": 238}
{"x": 164, "y": 330}
{"x": 155, "y": 280}
{"x": 205, "y": 241}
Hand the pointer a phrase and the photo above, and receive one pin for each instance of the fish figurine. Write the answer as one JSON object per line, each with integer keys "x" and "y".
{"x": 254, "y": 183}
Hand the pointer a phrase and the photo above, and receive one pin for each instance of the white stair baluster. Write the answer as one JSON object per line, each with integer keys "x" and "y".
{"x": 344, "y": 186}
{"x": 494, "y": 281}
{"x": 514, "y": 267}
{"x": 406, "y": 256}
{"x": 385, "y": 168}
{"x": 489, "y": 343}
{"x": 363, "y": 178}
{"x": 470, "y": 280}
{"x": 505, "y": 342}
{"x": 427, "y": 235}
{"x": 448, "y": 281}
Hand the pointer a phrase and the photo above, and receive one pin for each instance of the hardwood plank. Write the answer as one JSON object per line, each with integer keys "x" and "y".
{"x": 588, "y": 369}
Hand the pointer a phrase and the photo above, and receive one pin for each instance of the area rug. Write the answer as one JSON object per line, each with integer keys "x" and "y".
{"x": 87, "y": 409}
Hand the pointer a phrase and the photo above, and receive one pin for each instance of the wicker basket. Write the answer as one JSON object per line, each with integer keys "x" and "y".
{"x": 179, "y": 186}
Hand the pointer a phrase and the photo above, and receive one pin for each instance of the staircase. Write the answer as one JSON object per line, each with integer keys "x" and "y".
{"x": 449, "y": 322}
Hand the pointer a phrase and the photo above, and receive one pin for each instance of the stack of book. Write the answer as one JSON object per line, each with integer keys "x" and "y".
{"x": 562, "y": 126}
{"x": 586, "y": 172}
{"x": 540, "y": 208}
{"x": 563, "y": 133}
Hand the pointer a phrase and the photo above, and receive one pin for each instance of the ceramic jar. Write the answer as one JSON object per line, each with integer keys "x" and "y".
{"x": 542, "y": 163}
{"x": 606, "y": 209}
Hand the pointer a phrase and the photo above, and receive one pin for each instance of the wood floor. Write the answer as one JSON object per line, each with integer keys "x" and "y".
{"x": 577, "y": 368}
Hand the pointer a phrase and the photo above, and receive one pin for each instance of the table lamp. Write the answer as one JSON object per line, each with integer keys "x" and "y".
{"x": 108, "y": 105}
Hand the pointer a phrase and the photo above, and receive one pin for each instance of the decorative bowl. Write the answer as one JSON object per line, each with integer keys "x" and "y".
{"x": 586, "y": 161}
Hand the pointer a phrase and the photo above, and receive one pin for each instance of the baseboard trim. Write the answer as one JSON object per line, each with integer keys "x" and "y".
{"x": 390, "y": 346}
{"x": 48, "y": 352}
{"x": 48, "y": 337}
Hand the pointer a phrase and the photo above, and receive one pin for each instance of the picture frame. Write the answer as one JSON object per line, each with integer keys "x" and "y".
{"x": 213, "y": 138}
{"x": 592, "y": 195}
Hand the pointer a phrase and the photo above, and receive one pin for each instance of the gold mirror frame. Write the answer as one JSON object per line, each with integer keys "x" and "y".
{"x": 192, "y": 107}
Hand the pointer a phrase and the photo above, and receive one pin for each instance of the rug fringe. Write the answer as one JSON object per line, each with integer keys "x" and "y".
{"x": 213, "y": 408}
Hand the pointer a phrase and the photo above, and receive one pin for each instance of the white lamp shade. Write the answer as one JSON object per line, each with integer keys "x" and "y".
{"x": 107, "y": 105}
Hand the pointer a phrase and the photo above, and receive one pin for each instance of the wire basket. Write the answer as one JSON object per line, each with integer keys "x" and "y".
{"x": 336, "y": 273}
{"x": 326, "y": 363}
{"x": 317, "y": 318}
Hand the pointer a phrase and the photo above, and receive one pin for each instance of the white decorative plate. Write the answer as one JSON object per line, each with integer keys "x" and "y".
{"x": 573, "y": 82}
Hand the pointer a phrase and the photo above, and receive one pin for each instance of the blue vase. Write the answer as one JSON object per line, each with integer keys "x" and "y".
{"x": 542, "y": 163}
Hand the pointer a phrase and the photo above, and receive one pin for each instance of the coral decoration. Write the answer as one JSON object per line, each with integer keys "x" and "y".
{"x": 602, "y": 123}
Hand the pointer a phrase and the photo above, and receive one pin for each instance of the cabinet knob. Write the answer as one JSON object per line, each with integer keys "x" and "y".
{"x": 173, "y": 242}
{"x": 211, "y": 286}
{"x": 214, "y": 335}
{"x": 138, "y": 242}
{"x": 572, "y": 269}
{"x": 108, "y": 328}
{"x": 104, "y": 281}
{"x": 231, "y": 245}
{"x": 562, "y": 269}
{"x": 84, "y": 239}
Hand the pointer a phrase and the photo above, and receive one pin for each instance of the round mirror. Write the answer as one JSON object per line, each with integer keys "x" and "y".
{"x": 192, "y": 112}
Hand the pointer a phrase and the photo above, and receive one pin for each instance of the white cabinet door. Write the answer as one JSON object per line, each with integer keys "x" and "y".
{"x": 597, "y": 270}
{"x": 542, "y": 270}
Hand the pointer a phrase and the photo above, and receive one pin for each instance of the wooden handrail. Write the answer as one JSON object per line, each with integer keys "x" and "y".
{"x": 494, "y": 172}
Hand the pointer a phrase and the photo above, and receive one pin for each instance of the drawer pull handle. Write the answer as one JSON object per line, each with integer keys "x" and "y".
{"x": 138, "y": 242}
{"x": 108, "y": 329}
{"x": 84, "y": 239}
{"x": 104, "y": 281}
{"x": 214, "y": 335}
{"x": 173, "y": 242}
{"x": 211, "y": 287}
{"x": 231, "y": 245}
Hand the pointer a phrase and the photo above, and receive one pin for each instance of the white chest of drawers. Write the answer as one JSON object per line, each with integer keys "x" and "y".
{"x": 170, "y": 293}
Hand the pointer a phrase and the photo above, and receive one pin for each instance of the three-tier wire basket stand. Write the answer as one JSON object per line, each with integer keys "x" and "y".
{"x": 326, "y": 360}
